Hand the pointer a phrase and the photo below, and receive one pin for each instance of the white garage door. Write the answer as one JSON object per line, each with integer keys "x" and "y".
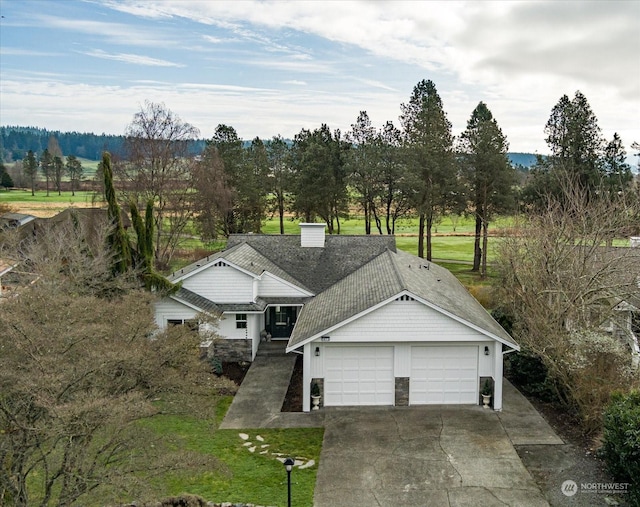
{"x": 358, "y": 376}
{"x": 443, "y": 375}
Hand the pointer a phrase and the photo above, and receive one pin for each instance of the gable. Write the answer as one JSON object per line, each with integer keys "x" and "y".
{"x": 273, "y": 286}
{"x": 221, "y": 282}
{"x": 405, "y": 319}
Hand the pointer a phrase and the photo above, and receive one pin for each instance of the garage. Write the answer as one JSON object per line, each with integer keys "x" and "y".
{"x": 358, "y": 376}
{"x": 443, "y": 375}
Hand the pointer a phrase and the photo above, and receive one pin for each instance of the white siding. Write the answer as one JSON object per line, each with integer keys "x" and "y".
{"x": 269, "y": 286}
{"x": 402, "y": 360}
{"x": 222, "y": 284}
{"x": 312, "y": 235}
{"x": 486, "y": 363}
{"x": 168, "y": 308}
{"x": 405, "y": 321}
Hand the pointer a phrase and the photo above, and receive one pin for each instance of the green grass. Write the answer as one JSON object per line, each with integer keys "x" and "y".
{"x": 24, "y": 196}
{"x": 242, "y": 476}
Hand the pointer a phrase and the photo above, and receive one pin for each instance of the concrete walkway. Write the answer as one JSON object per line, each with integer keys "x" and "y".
{"x": 259, "y": 399}
{"x": 443, "y": 456}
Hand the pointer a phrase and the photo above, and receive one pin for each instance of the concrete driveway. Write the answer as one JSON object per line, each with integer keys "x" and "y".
{"x": 419, "y": 456}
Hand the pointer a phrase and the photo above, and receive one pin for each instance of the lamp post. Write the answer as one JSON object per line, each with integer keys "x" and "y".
{"x": 288, "y": 464}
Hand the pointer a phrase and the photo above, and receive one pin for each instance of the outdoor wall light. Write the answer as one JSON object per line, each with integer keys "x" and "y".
{"x": 288, "y": 465}
{"x": 317, "y": 351}
{"x": 486, "y": 350}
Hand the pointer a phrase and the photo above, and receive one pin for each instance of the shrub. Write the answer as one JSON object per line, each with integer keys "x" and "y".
{"x": 621, "y": 440}
{"x": 529, "y": 373}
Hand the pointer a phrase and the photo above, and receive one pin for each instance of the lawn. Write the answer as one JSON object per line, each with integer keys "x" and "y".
{"x": 21, "y": 198}
{"x": 242, "y": 476}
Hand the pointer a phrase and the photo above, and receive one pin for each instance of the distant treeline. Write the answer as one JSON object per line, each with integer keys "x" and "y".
{"x": 15, "y": 142}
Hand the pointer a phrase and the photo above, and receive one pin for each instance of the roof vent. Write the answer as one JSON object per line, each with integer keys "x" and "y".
{"x": 312, "y": 235}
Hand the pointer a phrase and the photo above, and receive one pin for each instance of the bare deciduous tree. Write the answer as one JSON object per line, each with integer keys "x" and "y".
{"x": 561, "y": 284}
{"x": 80, "y": 363}
{"x": 159, "y": 168}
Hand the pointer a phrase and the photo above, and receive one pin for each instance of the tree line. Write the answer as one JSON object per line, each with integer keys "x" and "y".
{"x": 417, "y": 168}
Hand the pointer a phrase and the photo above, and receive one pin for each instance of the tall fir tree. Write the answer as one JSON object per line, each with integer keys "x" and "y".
{"x": 488, "y": 175}
{"x": 429, "y": 149}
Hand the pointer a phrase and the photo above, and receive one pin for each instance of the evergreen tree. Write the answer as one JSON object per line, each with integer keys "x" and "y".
{"x": 362, "y": 165}
{"x": 280, "y": 175}
{"x": 58, "y": 171}
{"x": 576, "y": 144}
{"x": 488, "y": 175}
{"x": 319, "y": 176}
{"x": 228, "y": 145}
{"x": 74, "y": 170}
{"x": 46, "y": 164}
{"x": 118, "y": 240}
{"x": 618, "y": 175}
{"x": 429, "y": 150}
{"x": 30, "y": 168}
{"x": 397, "y": 190}
{"x": 5, "y": 178}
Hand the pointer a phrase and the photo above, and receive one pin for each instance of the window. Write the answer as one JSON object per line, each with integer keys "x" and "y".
{"x": 192, "y": 324}
{"x": 241, "y": 321}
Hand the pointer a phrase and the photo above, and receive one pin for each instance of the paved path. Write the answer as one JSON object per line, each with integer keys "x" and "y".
{"x": 258, "y": 402}
{"x": 444, "y": 456}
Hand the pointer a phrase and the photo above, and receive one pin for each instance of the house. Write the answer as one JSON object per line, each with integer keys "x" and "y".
{"x": 375, "y": 326}
{"x": 15, "y": 220}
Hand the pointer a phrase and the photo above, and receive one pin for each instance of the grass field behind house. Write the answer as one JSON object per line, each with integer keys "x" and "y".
{"x": 448, "y": 245}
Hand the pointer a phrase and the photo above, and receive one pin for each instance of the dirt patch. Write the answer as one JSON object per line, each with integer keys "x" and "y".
{"x": 293, "y": 399}
{"x": 235, "y": 371}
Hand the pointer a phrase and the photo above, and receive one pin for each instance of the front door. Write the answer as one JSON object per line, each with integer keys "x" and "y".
{"x": 280, "y": 320}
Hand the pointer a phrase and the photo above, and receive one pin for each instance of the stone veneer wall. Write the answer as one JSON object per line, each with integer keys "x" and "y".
{"x": 402, "y": 391}
{"x": 233, "y": 351}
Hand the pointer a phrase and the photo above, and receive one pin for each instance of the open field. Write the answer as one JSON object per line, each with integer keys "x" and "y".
{"x": 39, "y": 205}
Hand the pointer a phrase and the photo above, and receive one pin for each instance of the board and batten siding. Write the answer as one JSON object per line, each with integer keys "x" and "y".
{"x": 222, "y": 284}
{"x": 170, "y": 309}
{"x": 270, "y": 286}
{"x": 405, "y": 321}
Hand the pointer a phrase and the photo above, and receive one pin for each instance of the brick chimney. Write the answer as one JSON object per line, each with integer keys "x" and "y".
{"x": 312, "y": 235}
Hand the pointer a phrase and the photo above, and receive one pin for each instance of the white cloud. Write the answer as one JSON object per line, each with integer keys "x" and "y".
{"x": 116, "y": 33}
{"x": 5, "y": 51}
{"x": 275, "y": 67}
{"x": 130, "y": 58}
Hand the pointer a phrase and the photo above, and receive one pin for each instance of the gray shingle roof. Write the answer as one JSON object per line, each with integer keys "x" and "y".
{"x": 244, "y": 256}
{"x": 387, "y": 275}
{"x": 349, "y": 275}
{"x": 316, "y": 268}
{"x": 198, "y": 301}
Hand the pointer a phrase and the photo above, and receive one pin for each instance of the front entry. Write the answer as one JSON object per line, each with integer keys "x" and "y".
{"x": 280, "y": 321}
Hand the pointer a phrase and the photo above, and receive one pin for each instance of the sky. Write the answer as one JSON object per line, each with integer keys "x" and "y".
{"x": 268, "y": 68}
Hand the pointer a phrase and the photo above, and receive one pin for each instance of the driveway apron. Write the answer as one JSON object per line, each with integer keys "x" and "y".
{"x": 440, "y": 456}
{"x": 420, "y": 456}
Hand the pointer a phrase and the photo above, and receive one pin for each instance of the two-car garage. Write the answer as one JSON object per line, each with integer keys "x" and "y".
{"x": 366, "y": 375}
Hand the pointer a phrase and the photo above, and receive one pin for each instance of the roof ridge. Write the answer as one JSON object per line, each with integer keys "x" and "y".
{"x": 396, "y": 270}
